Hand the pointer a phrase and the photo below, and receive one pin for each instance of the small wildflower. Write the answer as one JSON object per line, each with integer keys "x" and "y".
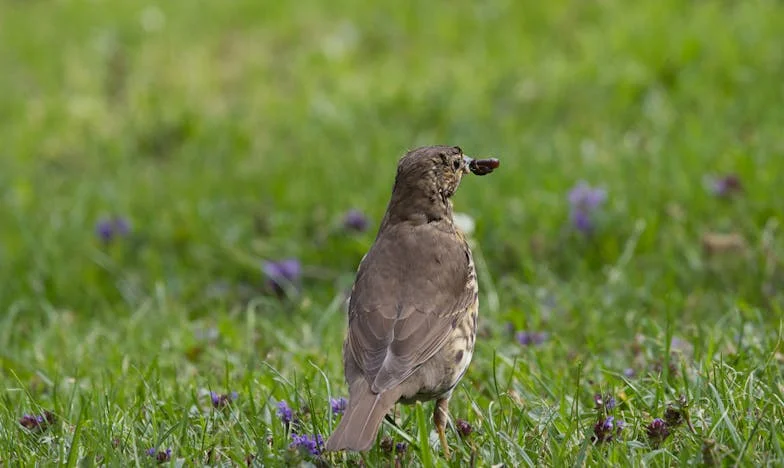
{"x": 531, "y": 338}
{"x": 582, "y": 221}
{"x": 162, "y": 456}
{"x": 355, "y": 220}
{"x": 338, "y": 405}
{"x": 681, "y": 346}
{"x": 604, "y": 430}
{"x": 387, "y": 444}
{"x": 586, "y": 198}
{"x": 284, "y": 412}
{"x": 282, "y": 275}
{"x": 584, "y": 201}
{"x": 463, "y": 428}
{"x": 401, "y": 447}
{"x": 657, "y": 431}
{"x": 673, "y": 417}
{"x": 629, "y": 372}
{"x": 313, "y": 444}
{"x": 37, "y": 422}
{"x": 108, "y": 229}
{"x": 724, "y": 186}
{"x": 222, "y": 400}
{"x": 607, "y": 401}
{"x": 104, "y": 231}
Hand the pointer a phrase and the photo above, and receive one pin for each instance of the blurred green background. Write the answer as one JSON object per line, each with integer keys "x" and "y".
{"x": 230, "y": 133}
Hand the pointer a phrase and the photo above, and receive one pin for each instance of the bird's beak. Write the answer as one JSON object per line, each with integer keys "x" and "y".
{"x": 480, "y": 166}
{"x": 467, "y": 160}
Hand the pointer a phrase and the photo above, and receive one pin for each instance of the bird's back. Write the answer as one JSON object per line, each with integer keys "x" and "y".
{"x": 408, "y": 289}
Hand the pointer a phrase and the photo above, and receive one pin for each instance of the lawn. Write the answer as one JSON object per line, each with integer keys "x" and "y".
{"x": 160, "y": 160}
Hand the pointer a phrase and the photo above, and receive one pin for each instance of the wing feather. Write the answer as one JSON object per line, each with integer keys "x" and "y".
{"x": 402, "y": 309}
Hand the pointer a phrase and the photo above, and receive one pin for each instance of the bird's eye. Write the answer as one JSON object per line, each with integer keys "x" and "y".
{"x": 456, "y": 164}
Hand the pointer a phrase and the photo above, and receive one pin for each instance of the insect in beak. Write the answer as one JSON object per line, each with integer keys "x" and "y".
{"x": 481, "y": 166}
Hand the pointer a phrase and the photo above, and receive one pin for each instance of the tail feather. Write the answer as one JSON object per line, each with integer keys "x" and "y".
{"x": 366, "y": 410}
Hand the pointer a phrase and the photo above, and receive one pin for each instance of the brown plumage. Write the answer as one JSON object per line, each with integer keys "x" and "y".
{"x": 413, "y": 309}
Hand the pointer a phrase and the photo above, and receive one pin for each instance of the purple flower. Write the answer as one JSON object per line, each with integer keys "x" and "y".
{"x": 606, "y": 429}
{"x": 603, "y": 430}
{"x": 724, "y": 186}
{"x": 607, "y": 401}
{"x": 463, "y": 428}
{"x": 284, "y": 412}
{"x": 584, "y": 201}
{"x": 222, "y": 400}
{"x": 338, "y": 405}
{"x": 108, "y": 229}
{"x": 584, "y": 197}
{"x": 164, "y": 456}
{"x": 629, "y": 373}
{"x": 401, "y": 447}
{"x": 282, "y": 275}
{"x": 161, "y": 456}
{"x": 526, "y": 338}
{"x": 581, "y": 221}
{"x": 355, "y": 220}
{"x": 312, "y": 444}
{"x": 657, "y": 431}
{"x": 610, "y": 403}
{"x": 37, "y": 422}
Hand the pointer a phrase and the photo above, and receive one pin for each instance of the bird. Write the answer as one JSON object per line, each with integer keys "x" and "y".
{"x": 413, "y": 308}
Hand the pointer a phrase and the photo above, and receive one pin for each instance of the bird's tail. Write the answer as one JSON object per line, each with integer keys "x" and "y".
{"x": 366, "y": 410}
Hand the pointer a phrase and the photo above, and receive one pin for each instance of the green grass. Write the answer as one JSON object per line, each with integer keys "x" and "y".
{"x": 228, "y": 135}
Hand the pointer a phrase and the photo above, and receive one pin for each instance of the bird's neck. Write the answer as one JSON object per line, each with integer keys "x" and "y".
{"x": 417, "y": 208}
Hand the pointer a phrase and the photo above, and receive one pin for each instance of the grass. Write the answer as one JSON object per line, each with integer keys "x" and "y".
{"x": 230, "y": 135}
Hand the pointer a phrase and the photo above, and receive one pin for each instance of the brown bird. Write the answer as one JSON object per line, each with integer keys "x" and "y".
{"x": 413, "y": 308}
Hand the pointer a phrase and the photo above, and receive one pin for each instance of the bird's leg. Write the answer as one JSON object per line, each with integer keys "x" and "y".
{"x": 440, "y": 415}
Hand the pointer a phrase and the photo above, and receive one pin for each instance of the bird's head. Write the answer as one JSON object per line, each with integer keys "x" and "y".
{"x": 427, "y": 177}
{"x": 431, "y": 171}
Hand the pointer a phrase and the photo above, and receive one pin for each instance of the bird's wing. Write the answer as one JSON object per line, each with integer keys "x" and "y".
{"x": 410, "y": 292}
